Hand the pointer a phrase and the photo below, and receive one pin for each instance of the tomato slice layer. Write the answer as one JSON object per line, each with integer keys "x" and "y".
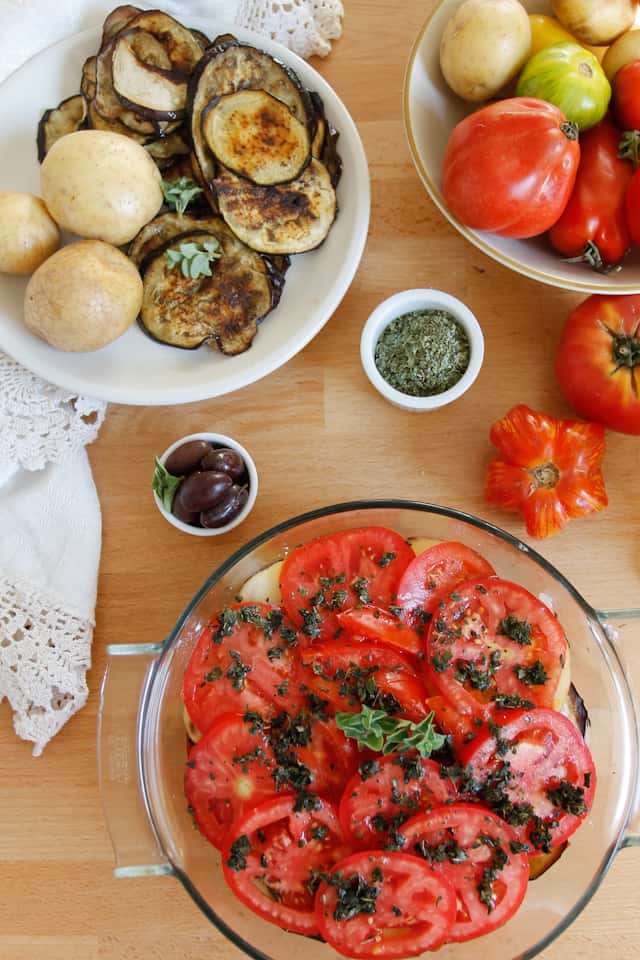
{"x": 243, "y": 661}
{"x": 228, "y": 771}
{"x": 480, "y": 856}
{"x": 347, "y": 675}
{"x": 378, "y": 904}
{"x": 374, "y": 623}
{"x": 537, "y": 773}
{"x": 272, "y": 856}
{"x": 386, "y": 792}
{"x": 340, "y": 571}
{"x": 493, "y": 642}
{"x": 433, "y": 575}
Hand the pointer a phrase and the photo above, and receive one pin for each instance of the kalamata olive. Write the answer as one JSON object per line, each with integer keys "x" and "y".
{"x": 225, "y": 460}
{"x": 203, "y": 489}
{"x": 192, "y": 517}
{"x": 186, "y": 458}
{"x": 226, "y": 509}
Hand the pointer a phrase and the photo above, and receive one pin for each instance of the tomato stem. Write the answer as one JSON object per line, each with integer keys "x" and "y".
{"x": 591, "y": 255}
{"x": 570, "y": 130}
{"x": 546, "y": 475}
{"x": 625, "y": 351}
{"x": 629, "y": 147}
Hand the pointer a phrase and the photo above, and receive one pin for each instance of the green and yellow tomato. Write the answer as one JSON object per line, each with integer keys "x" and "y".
{"x": 571, "y": 78}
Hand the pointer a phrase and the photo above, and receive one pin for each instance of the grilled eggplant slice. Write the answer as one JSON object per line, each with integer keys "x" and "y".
{"x": 256, "y": 136}
{"x": 289, "y": 218}
{"x": 141, "y": 82}
{"x": 201, "y": 38}
{"x": 325, "y": 140}
{"x": 88, "y": 82}
{"x": 168, "y": 150}
{"x": 96, "y": 121}
{"x": 228, "y": 66}
{"x": 182, "y": 47}
{"x": 70, "y": 115}
{"x": 116, "y": 21}
{"x": 222, "y": 310}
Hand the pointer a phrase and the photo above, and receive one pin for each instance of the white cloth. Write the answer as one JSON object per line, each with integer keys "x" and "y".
{"x": 305, "y": 26}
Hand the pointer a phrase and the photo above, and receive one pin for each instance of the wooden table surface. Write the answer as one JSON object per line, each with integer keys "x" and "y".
{"x": 319, "y": 434}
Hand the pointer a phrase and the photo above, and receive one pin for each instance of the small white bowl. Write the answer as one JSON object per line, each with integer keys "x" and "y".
{"x": 405, "y": 302}
{"x": 220, "y": 440}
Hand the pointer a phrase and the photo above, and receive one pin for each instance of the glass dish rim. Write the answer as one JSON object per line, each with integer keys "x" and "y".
{"x": 607, "y": 649}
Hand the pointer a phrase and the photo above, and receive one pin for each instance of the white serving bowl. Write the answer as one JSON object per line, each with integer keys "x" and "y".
{"x": 404, "y": 302}
{"x": 431, "y": 111}
{"x": 220, "y": 440}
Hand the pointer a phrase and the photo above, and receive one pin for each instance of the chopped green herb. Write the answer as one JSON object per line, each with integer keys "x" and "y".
{"x": 512, "y": 701}
{"x": 368, "y": 768}
{"x": 361, "y": 589}
{"x": 213, "y": 674}
{"x": 311, "y": 622}
{"x": 178, "y": 194}
{"x": 516, "y": 847}
{"x": 489, "y": 876}
{"x": 534, "y": 675}
{"x": 319, "y": 831}
{"x": 448, "y": 850}
{"x": 569, "y": 798}
{"x": 354, "y": 896}
{"x": 423, "y": 353}
{"x": 386, "y": 559}
{"x": 237, "y": 671}
{"x": 441, "y": 661}
{"x": 240, "y": 849}
{"x": 518, "y": 630}
{"x": 194, "y": 258}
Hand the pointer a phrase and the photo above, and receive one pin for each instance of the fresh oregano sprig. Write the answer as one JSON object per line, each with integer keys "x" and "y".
{"x": 178, "y": 194}
{"x": 164, "y": 484}
{"x": 194, "y": 258}
{"x": 378, "y": 731}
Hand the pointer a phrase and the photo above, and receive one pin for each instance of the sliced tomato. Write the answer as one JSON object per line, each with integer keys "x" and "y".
{"x": 462, "y": 728}
{"x": 229, "y": 771}
{"x": 480, "y": 856}
{"x": 374, "y": 623}
{"x": 272, "y": 855}
{"x": 243, "y": 661}
{"x": 348, "y": 675}
{"x": 340, "y": 571}
{"x": 331, "y": 757}
{"x": 378, "y": 904}
{"x": 493, "y": 642}
{"x": 537, "y": 772}
{"x": 386, "y": 792}
{"x": 431, "y": 577}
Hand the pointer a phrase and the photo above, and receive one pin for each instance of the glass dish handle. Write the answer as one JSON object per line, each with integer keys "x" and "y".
{"x": 129, "y": 669}
{"x": 612, "y": 621}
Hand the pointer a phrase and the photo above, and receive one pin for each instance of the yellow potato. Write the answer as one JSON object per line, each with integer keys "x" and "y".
{"x": 484, "y": 45}
{"x": 625, "y": 50}
{"x": 28, "y": 235}
{"x": 595, "y": 21}
{"x": 101, "y": 185}
{"x": 83, "y": 297}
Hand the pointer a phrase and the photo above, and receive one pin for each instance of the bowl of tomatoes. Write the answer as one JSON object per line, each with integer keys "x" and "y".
{"x": 550, "y": 201}
{"x": 394, "y": 728}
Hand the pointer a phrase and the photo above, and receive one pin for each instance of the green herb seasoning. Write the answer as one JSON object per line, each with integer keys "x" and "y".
{"x": 423, "y": 353}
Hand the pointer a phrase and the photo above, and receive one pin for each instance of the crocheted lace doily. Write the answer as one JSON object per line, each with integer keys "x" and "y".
{"x": 45, "y": 652}
{"x": 40, "y": 423}
{"x": 305, "y": 26}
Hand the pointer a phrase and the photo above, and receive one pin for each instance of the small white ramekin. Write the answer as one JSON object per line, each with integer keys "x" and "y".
{"x": 222, "y": 441}
{"x": 405, "y": 302}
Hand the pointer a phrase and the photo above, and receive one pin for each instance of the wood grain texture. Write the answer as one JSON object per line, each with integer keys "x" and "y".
{"x": 319, "y": 434}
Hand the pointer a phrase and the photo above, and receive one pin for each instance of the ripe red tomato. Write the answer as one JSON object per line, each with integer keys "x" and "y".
{"x": 228, "y": 772}
{"x": 433, "y": 575}
{"x": 472, "y": 848}
{"x": 374, "y": 623}
{"x": 538, "y": 773}
{"x": 598, "y": 361}
{"x": 243, "y": 661}
{"x": 338, "y": 572}
{"x": 383, "y": 904}
{"x": 510, "y": 167}
{"x": 494, "y": 642}
{"x": 626, "y": 96}
{"x": 270, "y": 856}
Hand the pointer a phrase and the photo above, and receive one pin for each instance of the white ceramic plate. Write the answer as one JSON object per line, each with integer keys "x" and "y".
{"x": 134, "y": 369}
{"x": 431, "y": 110}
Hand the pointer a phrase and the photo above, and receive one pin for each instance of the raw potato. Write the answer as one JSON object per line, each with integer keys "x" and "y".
{"x": 625, "y": 50}
{"x": 484, "y": 45}
{"x": 28, "y": 235}
{"x": 595, "y": 21}
{"x": 83, "y": 297}
{"x": 101, "y": 185}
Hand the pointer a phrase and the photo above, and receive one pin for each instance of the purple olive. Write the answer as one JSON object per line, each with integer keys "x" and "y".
{"x": 226, "y": 509}
{"x": 203, "y": 489}
{"x": 192, "y": 517}
{"x": 186, "y": 458}
{"x": 225, "y": 460}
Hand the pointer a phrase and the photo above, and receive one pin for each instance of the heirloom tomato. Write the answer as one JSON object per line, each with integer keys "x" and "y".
{"x": 626, "y": 96}
{"x": 510, "y": 167}
{"x": 598, "y": 361}
{"x": 570, "y": 77}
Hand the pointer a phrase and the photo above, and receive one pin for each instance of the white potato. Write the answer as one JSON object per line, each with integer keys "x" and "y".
{"x": 83, "y": 297}
{"x": 101, "y": 185}
{"x": 598, "y": 22}
{"x": 28, "y": 235}
{"x": 484, "y": 45}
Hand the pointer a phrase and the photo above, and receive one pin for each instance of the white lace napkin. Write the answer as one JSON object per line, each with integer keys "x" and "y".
{"x": 50, "y": 532}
